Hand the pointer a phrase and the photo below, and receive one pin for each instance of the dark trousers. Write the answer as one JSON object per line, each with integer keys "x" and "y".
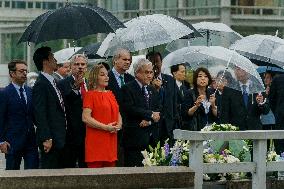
{"x": 74, "y": 156}
{"x": 133, "y": 157}
{"x": 30, "y": 156}
{"x": 164, "y": 134}
{"x": 120, "y": 150}
{"x": 54, "y": 159}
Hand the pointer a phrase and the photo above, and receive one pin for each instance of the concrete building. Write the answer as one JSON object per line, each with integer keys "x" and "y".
{"x": 245, "y": 16}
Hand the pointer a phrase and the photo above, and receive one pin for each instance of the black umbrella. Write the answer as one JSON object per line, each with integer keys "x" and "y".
{"x": 70, "y": 22}
{"x": 90, "y": 51}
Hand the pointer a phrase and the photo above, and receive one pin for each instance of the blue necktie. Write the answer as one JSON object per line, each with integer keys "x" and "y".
{"x": 146, "y": 95}
{"x": 23, "y": 100}
{"x": 245, "y": 95}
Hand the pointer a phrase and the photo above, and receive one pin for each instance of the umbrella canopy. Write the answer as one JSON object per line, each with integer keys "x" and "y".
{"x": 262, "y": 48}
{"x": 70, "y": 22}
{"x": 212, "y": 34}
{"x": 217, "y": 60}
{"x": 90, "y": 51}
{"x": 64, "y": 55}
{"x": 144, "y": 32}
{"x": 264, "y": 69}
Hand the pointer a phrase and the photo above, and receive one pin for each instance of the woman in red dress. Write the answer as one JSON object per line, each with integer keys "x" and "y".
{"x": 103, "y": 120}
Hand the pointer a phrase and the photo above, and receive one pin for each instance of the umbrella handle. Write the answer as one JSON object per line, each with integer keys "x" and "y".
{"x": 223, "y": 74}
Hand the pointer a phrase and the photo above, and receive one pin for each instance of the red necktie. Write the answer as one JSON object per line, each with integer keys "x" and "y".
{"x": 83, "y": 89}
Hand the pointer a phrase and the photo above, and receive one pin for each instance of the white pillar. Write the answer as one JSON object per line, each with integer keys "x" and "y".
{"x": 1, "y": 49}
{"x": 65, "y": 45}
{"x": 225, "y": 16}
{"x": 196, "y": 162}
{"x": 181, "y": 4}
{"x": 141, "y": 4}
{"x": 259, "y": 157}
{"x": 101, "y": 3}
{"x": 30, "y": 52}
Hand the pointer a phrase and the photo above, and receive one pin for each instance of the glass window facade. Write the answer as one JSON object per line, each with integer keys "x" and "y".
{"x": 19, "y": 4}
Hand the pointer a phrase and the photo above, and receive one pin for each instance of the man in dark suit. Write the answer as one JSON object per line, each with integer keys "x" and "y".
{"x": 142, "y": 112}
{"x": 17, "y": 131}
{"x": 117, "y": 75}
{"x": 50, "y": 116}
{"x": 276, "y": 97}
{"x": 240, "y": 107}
{"x": 73, "y": 88}
{"x": 178, "y": 71}
{"x": 166, "y": 87}
{"x": 117, "y": 78}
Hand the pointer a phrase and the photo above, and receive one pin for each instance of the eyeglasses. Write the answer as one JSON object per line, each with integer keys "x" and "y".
{"x": 21, "y": 71}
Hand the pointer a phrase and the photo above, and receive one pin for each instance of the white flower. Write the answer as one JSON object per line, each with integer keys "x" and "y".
{"x": 206, "y": 177}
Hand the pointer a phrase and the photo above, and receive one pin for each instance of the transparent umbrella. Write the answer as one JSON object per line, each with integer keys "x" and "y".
{"x": 262, "y": 49}
{"x": 219, "y": 60}
{"x": 212, "y": 34}
{"x": 64, "y": 55}
{"x": 144, "y": 32}
{"x": 277, "y": 56}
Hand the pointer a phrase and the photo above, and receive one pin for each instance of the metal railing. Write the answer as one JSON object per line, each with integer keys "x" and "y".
{"x": 181, "y": 12}
{"x": 257, "y": 10}
{"x": 258, "y": 167}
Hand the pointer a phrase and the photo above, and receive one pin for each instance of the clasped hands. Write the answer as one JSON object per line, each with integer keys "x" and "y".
{"x": 155, "y": 116}
{"x": 259, "y": 99}
{"x": 157, "y": 83}
{"x": 4, "y": 146}
{"x": 201, "y": 98}
{"x": 79, "y": 78}
{"x": 113, "y": 127}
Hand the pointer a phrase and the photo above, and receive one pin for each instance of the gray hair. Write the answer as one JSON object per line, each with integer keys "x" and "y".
{"x": 140, "y": 63}
{"x": 75, "y": 56}
{"x": 118, "y": 53}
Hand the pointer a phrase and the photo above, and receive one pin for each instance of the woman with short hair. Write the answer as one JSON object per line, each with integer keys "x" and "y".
{"x": 199, "y": 107}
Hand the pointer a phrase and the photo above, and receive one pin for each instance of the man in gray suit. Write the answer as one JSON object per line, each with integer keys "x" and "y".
{"x": 63, "y": 69}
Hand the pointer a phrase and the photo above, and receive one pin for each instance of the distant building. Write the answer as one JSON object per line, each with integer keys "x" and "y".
{"x": 245, "y": 16}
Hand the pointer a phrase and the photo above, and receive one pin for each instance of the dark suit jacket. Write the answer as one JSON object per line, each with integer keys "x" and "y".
{"x": 49, "y": 115}
{"x": 199, "y": 119}
{"x": 180, "y": 99}
{"x": 16, "y": 119}
{"x": 76, "y": 129}
{"x": 114, "y": 87}
{"x": 135, "y": 109}
{"x": 235, "y": 112}
{"x": 169, "y": 103}
{"x": 276, "y": 99}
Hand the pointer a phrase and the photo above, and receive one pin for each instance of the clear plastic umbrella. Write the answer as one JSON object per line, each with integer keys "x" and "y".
{"x": 144, "y": 32}
{"x": 217, "y": 60}
{"x": 213, "y": 34}
{"x": 262, "y": 48}
{"x": 277, "y": 56}
{"x": 64, "y": 55}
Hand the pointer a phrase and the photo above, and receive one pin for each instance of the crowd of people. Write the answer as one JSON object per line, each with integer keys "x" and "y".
{"x": 105, "y": 117}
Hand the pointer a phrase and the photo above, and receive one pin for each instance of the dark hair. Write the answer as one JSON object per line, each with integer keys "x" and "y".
{"x": 152, "y": 55}
{"x": 227, "y": 75}
{"x": 13, "y": 63}
{"x": 40, "y": 55}
{"x": 107, "y": 67}
{"x": 195, "y": 76}
{"x": 175, "y": 68}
